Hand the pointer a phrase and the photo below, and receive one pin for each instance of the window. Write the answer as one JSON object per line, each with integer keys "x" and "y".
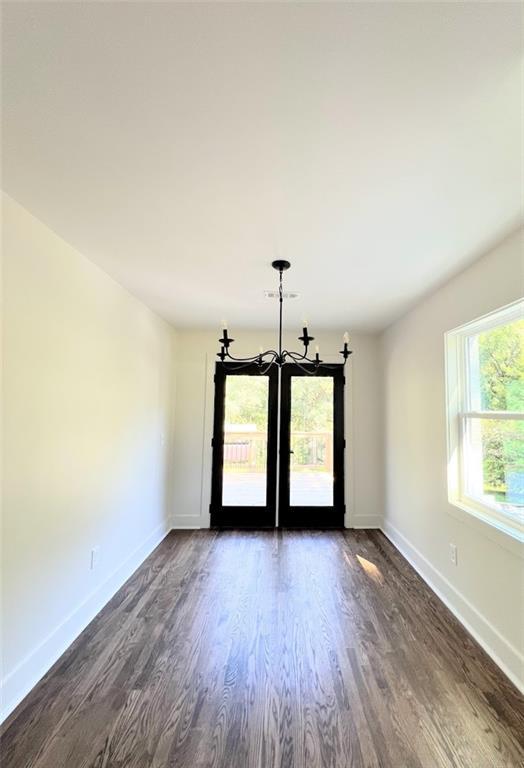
{"x": 485, "y": 406}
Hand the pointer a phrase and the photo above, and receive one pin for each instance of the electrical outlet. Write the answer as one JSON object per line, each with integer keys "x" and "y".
{"x": 95, "y": 557}
{"x": 453, "y": 553}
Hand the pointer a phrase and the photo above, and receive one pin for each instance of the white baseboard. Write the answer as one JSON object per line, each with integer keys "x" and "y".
{"x": 16, "y": 684}
{"x": 364, "y": 521}
{"x": 503, "y": 653}
{"x": 185, "y": 522}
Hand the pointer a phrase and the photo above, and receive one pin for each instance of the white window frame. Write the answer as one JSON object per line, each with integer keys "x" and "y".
{"x": 460, "y": 411}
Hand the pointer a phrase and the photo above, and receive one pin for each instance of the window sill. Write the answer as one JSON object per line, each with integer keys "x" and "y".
{"x": 504, "y": 534}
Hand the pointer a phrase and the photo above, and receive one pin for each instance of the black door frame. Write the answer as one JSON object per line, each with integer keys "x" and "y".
{"x": 243, "y": 517}
{"x": 312, "y": 517}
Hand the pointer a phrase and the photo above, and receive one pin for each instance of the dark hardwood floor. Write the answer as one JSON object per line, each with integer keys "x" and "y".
{"x": 271, "y": 649}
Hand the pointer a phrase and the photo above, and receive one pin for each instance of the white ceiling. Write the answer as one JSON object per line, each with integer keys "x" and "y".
{"x": 182, "y": 147}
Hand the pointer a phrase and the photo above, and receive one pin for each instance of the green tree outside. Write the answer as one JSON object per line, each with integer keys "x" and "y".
{"x": 501, "y": 364}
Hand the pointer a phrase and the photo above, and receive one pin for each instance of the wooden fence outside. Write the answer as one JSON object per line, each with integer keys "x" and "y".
{"x": 246, "y": 451}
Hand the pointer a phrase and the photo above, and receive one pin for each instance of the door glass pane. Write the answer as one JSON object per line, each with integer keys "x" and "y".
{"x": 311, "y": 465}
{"x": 245, "y": 441}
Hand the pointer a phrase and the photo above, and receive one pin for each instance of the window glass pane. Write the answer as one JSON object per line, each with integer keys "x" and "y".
{"x": 495, "y": 463}
{"x": 245, "y": 441}
{"x": 311, "y": 465}
{"x": 497, "y": 368}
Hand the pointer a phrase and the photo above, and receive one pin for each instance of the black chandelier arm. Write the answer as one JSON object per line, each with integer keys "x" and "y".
{"x": 265, "y": 369}
{"x": 319, "y": 364}
{"x": 329, "y": 366}
{"x": 261, "y": 357}
{"x": 303, "y": 359}
{"x": 296, "y": 356}
{"x": 229, "y": 356}
{"x": 303, "y": 367}
{"x": 241, "y": 366}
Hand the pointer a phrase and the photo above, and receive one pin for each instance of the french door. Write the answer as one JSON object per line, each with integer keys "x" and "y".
{"x": 311, "y": 488}
{"x": 245, "y": 439}
{"x": 278, "y": 447}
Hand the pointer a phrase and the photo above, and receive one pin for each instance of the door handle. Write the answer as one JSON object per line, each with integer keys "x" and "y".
{"x": 291, "y": 451}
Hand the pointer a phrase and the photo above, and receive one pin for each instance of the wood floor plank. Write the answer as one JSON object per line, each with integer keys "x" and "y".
{"x": 271, "y": 649}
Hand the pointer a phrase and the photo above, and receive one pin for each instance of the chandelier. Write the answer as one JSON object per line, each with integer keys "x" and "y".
{"x": 270, "y": 357}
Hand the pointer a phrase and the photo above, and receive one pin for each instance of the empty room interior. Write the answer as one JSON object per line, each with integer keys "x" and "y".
{"x": 262, "y": 385}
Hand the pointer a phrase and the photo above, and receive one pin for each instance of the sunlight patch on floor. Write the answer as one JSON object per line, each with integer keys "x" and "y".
{"x": 371, "y": 570}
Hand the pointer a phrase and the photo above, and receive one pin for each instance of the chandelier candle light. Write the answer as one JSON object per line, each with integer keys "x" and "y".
{"x": 265, "y": 359}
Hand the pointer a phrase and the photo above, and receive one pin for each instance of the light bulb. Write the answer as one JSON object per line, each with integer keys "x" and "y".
{"x": 346, "y": 338}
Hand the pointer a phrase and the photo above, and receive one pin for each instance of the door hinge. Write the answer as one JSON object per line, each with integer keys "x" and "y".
{"x": 343, "y": 381}
{"x": 344, "y": 442}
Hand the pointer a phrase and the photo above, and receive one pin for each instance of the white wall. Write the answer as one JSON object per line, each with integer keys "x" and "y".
{"x": 196, "y": 355}
{"x": 87, "y": 418}
{"x": 486, "y": 588}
